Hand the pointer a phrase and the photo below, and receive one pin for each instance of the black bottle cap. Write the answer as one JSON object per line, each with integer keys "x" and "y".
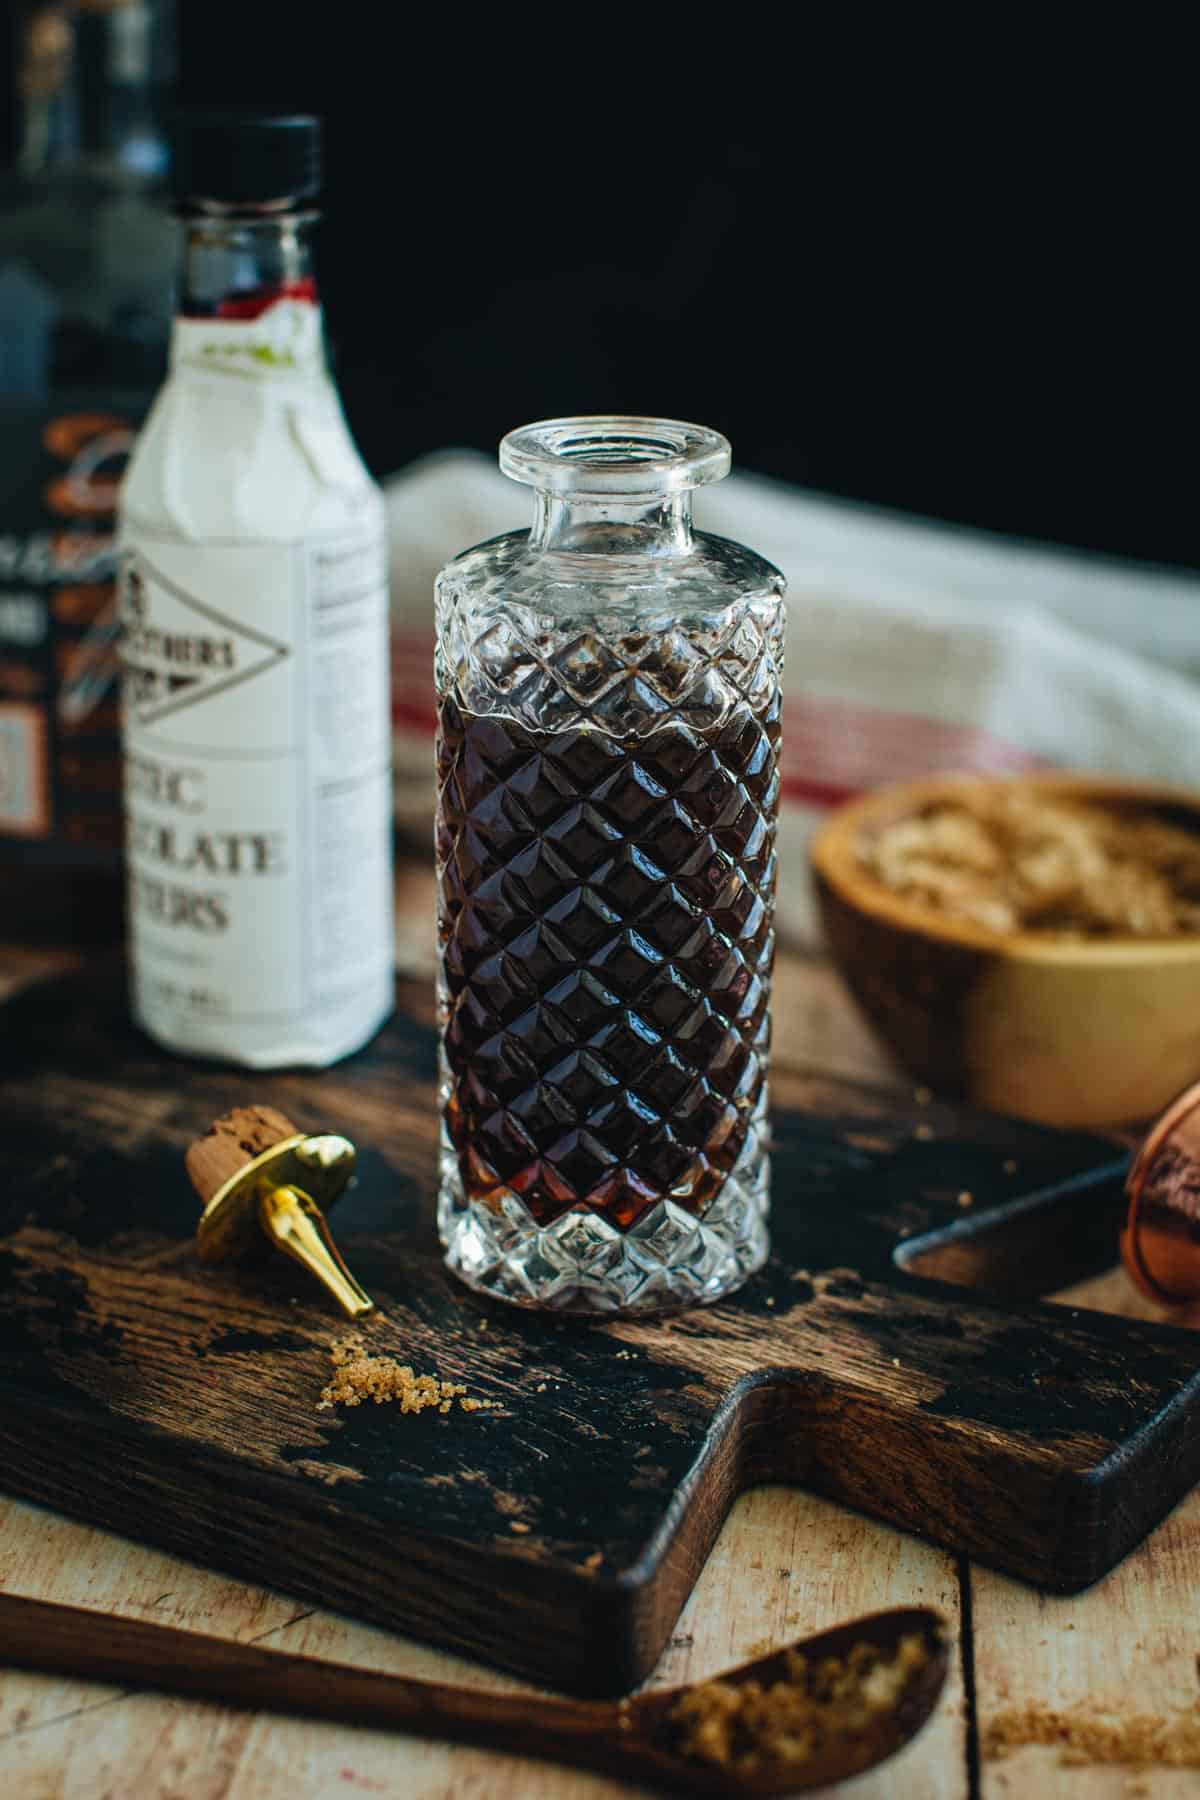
{"x": 245, "y": 159}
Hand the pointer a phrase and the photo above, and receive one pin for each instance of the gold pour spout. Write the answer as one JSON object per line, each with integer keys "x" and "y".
{"x": 265, "y": 1183}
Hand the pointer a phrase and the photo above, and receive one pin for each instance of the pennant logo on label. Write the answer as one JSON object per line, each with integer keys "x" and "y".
{"x": 177, "y": 650}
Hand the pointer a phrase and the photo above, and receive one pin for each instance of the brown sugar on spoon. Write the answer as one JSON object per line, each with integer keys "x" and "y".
{"x": 816, "y": 1707}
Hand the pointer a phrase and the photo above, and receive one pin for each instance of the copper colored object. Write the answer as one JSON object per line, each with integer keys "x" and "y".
{"x": 1160, "y": 1242}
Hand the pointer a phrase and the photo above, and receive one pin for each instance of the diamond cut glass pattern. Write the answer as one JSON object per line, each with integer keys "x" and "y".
{"x": 607, "y": 795}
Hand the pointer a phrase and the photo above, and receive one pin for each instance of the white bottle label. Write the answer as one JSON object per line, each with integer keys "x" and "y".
{"x": 258, "y": 792}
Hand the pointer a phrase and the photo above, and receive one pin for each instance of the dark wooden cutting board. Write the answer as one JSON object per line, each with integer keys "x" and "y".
{"x": 559, "y": 1534}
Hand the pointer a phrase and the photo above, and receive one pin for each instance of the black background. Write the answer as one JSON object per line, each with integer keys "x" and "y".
{"x": 949, "y": 273}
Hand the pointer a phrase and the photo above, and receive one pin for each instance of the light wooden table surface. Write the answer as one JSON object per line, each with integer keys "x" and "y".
{"x": 786, "y": 1564}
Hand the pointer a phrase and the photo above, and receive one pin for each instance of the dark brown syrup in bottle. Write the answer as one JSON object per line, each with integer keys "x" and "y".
{"x": 605, "y": 917}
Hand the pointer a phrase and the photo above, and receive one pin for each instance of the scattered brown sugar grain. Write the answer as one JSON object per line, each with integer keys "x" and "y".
{"x": 814, "y": 1709}
{"x": 1012, "y": 859}
{"x": 358, "y": 1375}
{"x": 1084, "y": 1735}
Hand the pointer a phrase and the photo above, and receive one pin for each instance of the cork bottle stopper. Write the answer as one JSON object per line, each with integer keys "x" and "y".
{"x": 253, "y": 1171}
{"x": 231, "y": 1142}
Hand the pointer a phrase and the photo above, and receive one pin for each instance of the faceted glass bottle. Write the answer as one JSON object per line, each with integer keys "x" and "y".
{"x": 608, "y": 787}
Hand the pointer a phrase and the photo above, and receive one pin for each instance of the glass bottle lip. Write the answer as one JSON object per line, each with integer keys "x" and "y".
{"x": 614, "y": 453}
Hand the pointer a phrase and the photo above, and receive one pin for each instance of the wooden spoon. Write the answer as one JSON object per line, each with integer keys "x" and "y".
{"x": 633, "y": 1739}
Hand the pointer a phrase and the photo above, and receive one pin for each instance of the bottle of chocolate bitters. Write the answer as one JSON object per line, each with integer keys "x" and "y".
{"x": 254, "y": 640}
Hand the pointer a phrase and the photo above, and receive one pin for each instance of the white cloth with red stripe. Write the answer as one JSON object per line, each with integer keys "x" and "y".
{"x": 912, "y": 647}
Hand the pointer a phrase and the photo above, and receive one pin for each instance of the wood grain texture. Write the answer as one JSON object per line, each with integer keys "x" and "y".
{"x": 637, "y": 1739}
{"x": 1129, "y": 1646}
{"x": 147, "y": 1392}
{"x": 62, "y": 1738}
{"x": 785, "y": 1561}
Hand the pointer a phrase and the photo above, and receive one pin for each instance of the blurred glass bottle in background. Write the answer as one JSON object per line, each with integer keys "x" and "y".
{"x": 87, "y": 255}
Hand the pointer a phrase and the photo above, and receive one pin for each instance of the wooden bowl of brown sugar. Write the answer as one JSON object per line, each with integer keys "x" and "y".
{"x": 1031, "y": 943}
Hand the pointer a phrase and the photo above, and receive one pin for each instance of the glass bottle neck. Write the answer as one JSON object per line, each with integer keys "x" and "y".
{"x": 236, "y": 266}
{"x": 612, "y": 525}
{"x": 93, "y": 82}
